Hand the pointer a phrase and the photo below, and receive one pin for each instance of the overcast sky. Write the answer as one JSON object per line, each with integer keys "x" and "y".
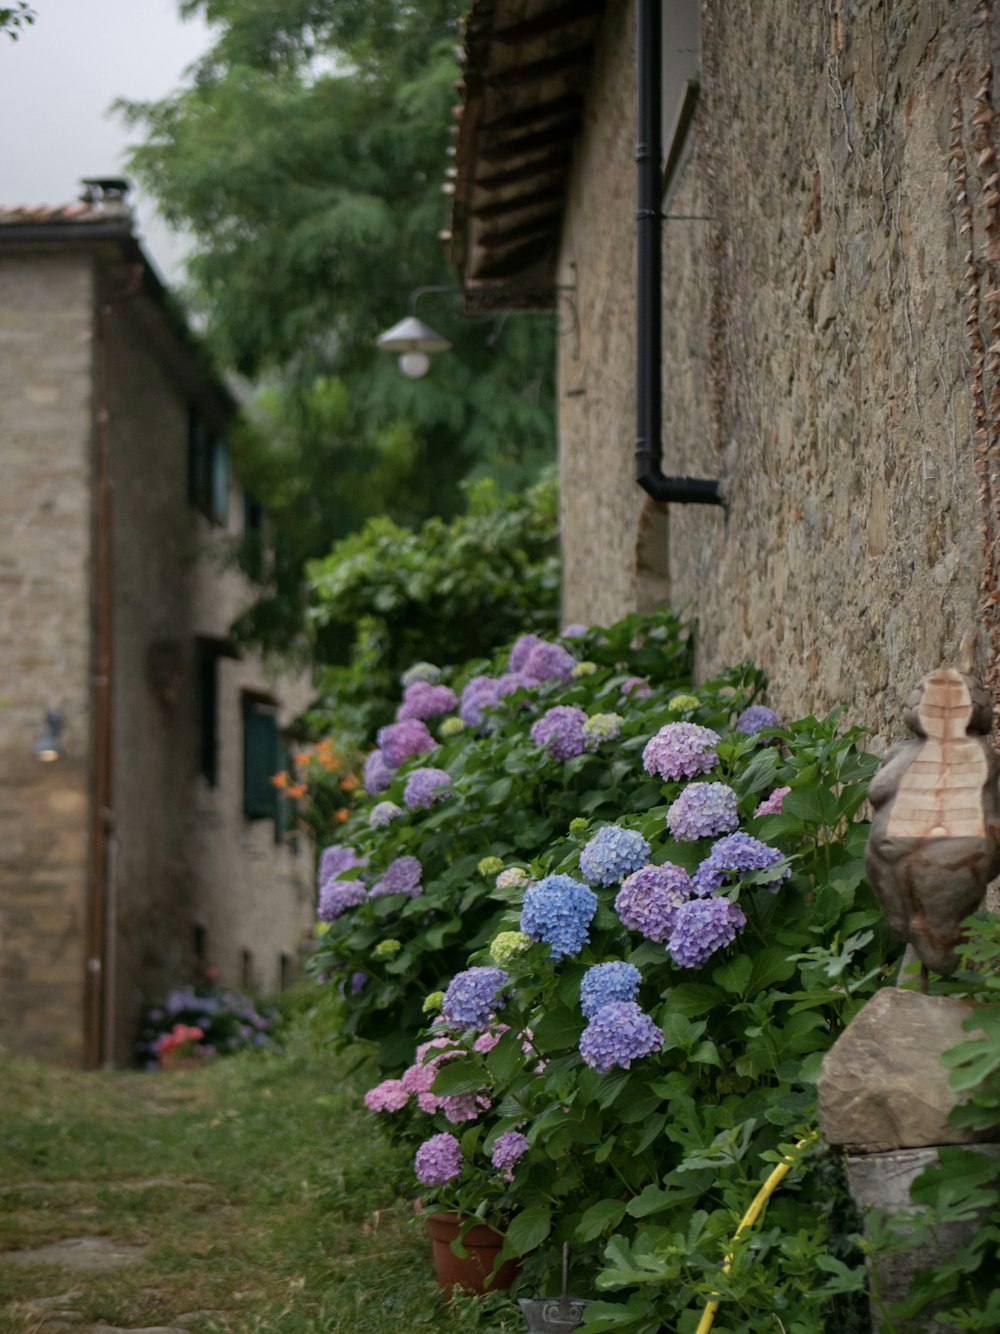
{"x": 56, "y": 84}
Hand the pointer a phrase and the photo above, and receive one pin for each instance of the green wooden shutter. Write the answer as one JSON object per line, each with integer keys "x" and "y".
{"x": 219, "y": 481}
{"x": 261, "y": 761}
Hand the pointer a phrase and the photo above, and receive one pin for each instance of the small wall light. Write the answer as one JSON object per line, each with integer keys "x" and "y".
{"x": 49, "y": 746}
{"x": 413, "y": 339}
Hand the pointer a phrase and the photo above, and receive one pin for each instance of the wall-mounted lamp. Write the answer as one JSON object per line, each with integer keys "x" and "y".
{"x": 413, "y": 339}
{"x": 49, "y": 745}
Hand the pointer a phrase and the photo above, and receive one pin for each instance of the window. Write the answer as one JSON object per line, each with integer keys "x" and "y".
{"x": 208, "y": 470}
{"x": 261, "y": 758}
{"x": 681, "y": 76}
{"x": 209, "y": 651}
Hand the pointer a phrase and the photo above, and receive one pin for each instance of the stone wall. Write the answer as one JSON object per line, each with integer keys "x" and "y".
{"x": 45, "y": 617}
{"x": 816, "y": 353}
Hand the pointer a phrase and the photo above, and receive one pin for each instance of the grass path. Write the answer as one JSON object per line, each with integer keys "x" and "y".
{"x": 249, "y": 1195}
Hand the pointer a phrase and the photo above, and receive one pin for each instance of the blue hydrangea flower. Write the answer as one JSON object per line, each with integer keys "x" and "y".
{"x": 703, "y": 810}
{"x": 703, "y": 926}
{"x": 519, "y": 653}
{"x": 471, "y": 997}
{"x": 420, "y": 671}
{"x": 399, "y": 741}
{"x": 336, "y": 859}
{"x": 681, "y": 750}
{"x": 401, "y": 876}
{"x": 649, "y": 899}
{"x": 607, "y": 982}
{"x": 560, "y": 731}
{"x": 755, "y": 717}
{"x": 424, "y": 787}
{"x": 377, "y": 775}
{"x": 612, "y": 854}
{"x": 338, "y": 895}
{"x": 546, "y": 661}
{"x": 383, "y": 813}
{"x": 734, "y": 856}
{"x": 618, "y": 1034}
{"x": 558, "y": 910}
{"x": 423, "y": 700}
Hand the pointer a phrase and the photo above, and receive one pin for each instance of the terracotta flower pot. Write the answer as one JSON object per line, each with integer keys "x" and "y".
{"x": 483, "y": 1245}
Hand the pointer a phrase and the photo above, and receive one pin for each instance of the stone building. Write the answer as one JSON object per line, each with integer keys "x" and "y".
{"x": 829, "y": 235}
{"x": 154, "y": 846}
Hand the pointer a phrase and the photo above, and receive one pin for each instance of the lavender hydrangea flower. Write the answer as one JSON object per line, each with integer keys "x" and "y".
{"x": 558, "y": 910}
{"x": 479, "y": 694}
{"x": 573, "y": 631}
{"x": 511, "y": 681}
{"x": 420, "y": 671}
{"x": 399, "y": 741}
{"x": 681, "y": 750}
{"x": 547, "y": 661}
{"x": 703, "y": 810}
{"x": 772, "y": 805}
{"x": 734, "y": 856}
{"x": 424, "y": 787}
{"x": 560, "y": 732}
{"x": 603, "y": 727}
{"x": 401, "y": 876}
{"x": 507, "y": 1149}
{"x": 459, "y": 1107}
{"x": 471, "y": 997}
{"x": 389, "y": 1096}
{"x": 755, "y": 717}
{"x": 618, "y": 1034}
{"x": 649, "y": 899}
{"x": 612, "y": 854}
{"x": 336, "y": 896}
{"x": 422, "y": 700}
{"x": 607, "y": 982}
{"x": 377, "y": 775}
{"x": 636, "y": 686}
{"x": 383, "y": 813}
{"x": 703, "y": 926}
{"x": 336, "y": 858}
{"x": 519, "y": 653}
{"x": 438, "y": 1160}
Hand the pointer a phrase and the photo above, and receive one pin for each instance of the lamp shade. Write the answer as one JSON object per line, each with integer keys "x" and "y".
{"x": 412, "y": 335}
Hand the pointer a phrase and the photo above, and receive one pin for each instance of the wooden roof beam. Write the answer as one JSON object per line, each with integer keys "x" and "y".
{"x": 516, "y": 75}
{"x": 555, "y": 162}
{"x": 561, "y": 132}
{"x": 566, "y": 104}
{"x": 502, "y": 236}
{"x": 550, "y": 194}
{"x": 559, "y": 17}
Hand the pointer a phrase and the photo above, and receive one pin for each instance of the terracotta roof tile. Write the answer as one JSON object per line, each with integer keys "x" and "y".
{"x": 21, "y": 215}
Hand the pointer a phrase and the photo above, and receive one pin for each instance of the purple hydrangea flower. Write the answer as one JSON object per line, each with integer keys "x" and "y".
{"x": 438, "y": 1160}
{"x": 420, "y": 671}
{"x": 703, "y": 926}
{"x": 681, "y": 750}
{"x": 734, "y": 856}
{"x": 574, "y": 630}
{"x": 389, "y": 1096}
{"x": 649, "y": 899}
{"x": 338, "y": 895}
{"x": 511, "y": 681}
{"x": 507, "y": 1149}
{"x": 336, "y": 858}
{"x": 471, "y": 997}
{"x": 377, "y": 775}
{"x": 636, "y": 686}
{"x": 401, "y": 876}
{"x": 547, "y": 661}
{"x": 399, "y": 741}
{"x": 560, "y": 731}
{"x": 383, "y": 813}
{"x": 558, "y": 910}
{"x": 479, "y": 694}
{"x": 703, "y": 810}
{"x": 424, "y": 787}
{"x": 772, "y": 805}
{"x": 618, "y": 1034}
{"x": 755, "y": 717}
{"x": 422, "y": 700}
{"x": 607, "y": 982}
{"x": 519, "y": 653}
{"x": 612, "y": 854}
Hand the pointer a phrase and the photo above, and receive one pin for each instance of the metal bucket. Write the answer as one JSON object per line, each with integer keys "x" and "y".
{"x": 552, "y": 1315}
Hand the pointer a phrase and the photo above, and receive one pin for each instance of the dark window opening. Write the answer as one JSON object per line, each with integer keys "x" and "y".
{"x": 285, "y": 965}
{"x": 208, "y": 470}
{"x": 246, "y": 970}
{"x": 199, "y": 949}
{"x": 208, "y": 712}
{"x": 262, "y": 758}
{"x": 252, "y": 554}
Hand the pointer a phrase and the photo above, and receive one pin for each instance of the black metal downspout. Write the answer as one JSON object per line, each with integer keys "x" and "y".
{"x": 649, "y": 279}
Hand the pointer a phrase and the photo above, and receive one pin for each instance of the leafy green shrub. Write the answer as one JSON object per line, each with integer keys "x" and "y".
{"x": 229, "y": 1021}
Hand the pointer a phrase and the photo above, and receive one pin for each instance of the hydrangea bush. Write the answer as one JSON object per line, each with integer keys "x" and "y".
{"x": 626, "y": 963}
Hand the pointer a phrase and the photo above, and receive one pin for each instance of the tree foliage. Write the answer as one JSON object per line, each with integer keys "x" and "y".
{"x": 306, "y": 155}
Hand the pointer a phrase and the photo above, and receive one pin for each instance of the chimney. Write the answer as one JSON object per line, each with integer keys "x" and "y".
{"x": 107, "y": 194}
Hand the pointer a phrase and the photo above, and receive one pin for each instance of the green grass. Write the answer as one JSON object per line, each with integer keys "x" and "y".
{"x": 259, "y": 1188}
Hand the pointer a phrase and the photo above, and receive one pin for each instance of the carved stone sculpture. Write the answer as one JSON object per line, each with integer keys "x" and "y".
{"x": 935, "y": 838}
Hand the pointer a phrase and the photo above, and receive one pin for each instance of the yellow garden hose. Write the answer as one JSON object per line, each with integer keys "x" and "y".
{"x": 748, "y": 1220}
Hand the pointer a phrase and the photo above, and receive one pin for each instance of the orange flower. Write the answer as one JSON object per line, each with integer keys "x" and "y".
{"x": 349, "y": 782}
{"x": 341, "y": 815}
{"x": 301, "y": 757}
{"x": 297, "y": 790}
{"x": 280, "y": 780}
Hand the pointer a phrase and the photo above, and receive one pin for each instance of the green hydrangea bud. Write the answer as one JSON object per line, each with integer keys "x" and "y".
{"x": 680, "y": 703}
{"x": 387, "y": 948}
{"x": 603, "y": 726}
{"x": 507, "y": 944}
{"x": 490, "y": 865}
{"x": 432, "y": 1002}
{"x": 579, "y": 825}
{"x": 452, "y": 727}
{"x": 584, "y": 669}
{"x": 513, "y": 878}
